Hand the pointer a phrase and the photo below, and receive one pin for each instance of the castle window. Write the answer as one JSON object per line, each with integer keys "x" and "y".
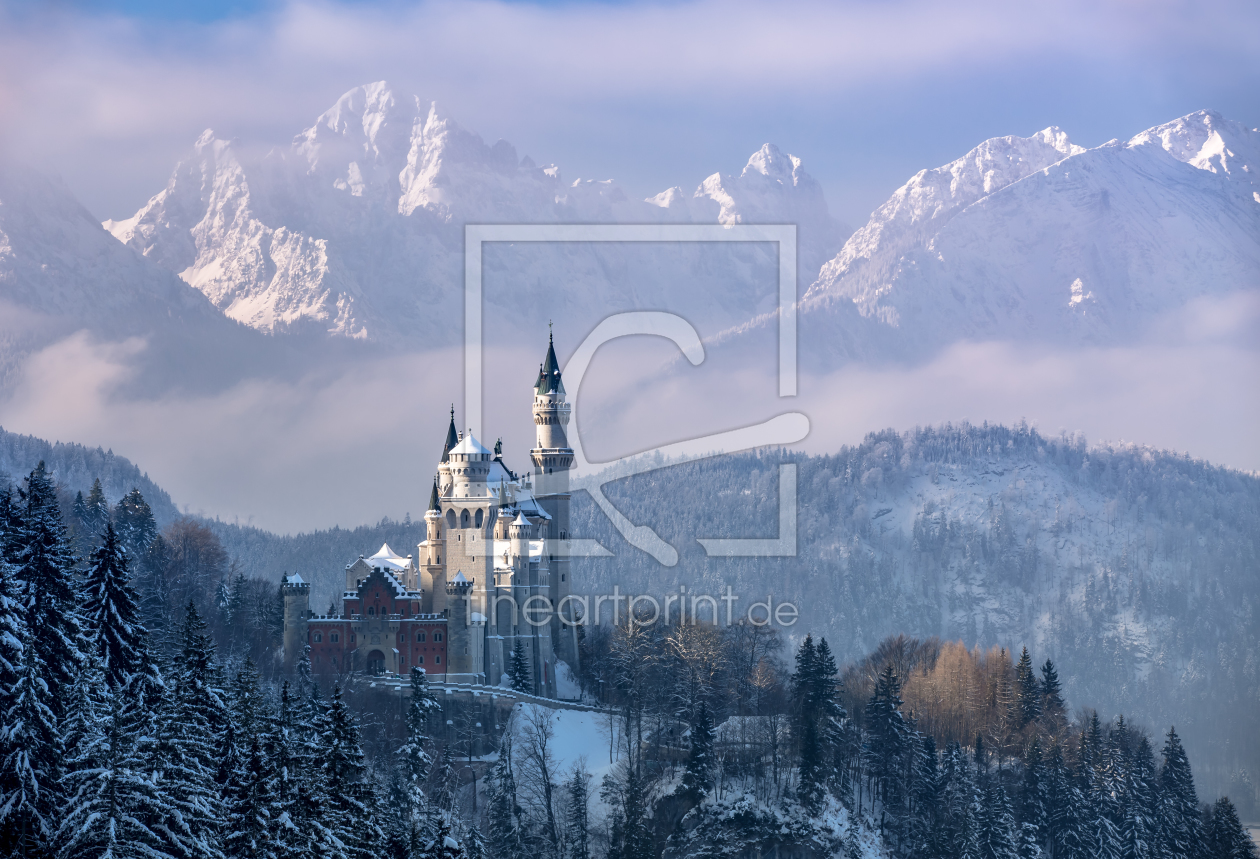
{"x": 477, "y": 521}
{"x": 463, "y": 519}
{"x": 437, "y": 636}
{"x": 334, "y": 638}
{"x": 352, "y": 638}
{"x": 419, "y": 660}
{"x": 420, "y": 636}
{"x": 319, "y": 636}
{"x": 437, "y": 660}
{"x": 371, "y": 610}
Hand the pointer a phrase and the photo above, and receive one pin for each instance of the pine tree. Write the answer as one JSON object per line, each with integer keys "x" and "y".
{"x": 415, "y": 759}
{"x": 248, "y": 832}
{"x": 91, "y": 516}
{"x": 295, "y": 807}
{"x": 886, "y": 741}
{"x": 1032, "y": 804}
{"x": 113, "y": 802}
{"x": 135, "y": 524}
{"x": 519, "y": 675}
{"x": 503, "y": 834}
{"x": 48, "y": 594}
{"x": 1052, "y": 707}
{"x": 698, "y": 777}
{"x": 997, "y": 825}
{"x": 111, "y": 615}
{"x": 577, "y": 834}
{"x": 1179, "y": 823}
{"x": 1065, "y": 819}
{"x": 1140, "y": 801}
{"x": 347, "y": 814}
{"x": 32, "y": 761}
{"x": 475, "y": 845}
{"x": 1028, "y": 692}
{"x": 1224, "y": 835}
{"x": 189, "y": 725}
{"x": 442, "y": 844}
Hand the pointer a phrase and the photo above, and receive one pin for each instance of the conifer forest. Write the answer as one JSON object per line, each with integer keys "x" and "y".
{"x": 145, "y": 714}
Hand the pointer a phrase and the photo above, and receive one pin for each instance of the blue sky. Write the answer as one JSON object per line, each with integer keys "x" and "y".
{"x": 110, "y": 94}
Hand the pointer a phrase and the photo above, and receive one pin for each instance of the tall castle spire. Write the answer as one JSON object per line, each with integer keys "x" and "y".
{"x": 452, "y": 437}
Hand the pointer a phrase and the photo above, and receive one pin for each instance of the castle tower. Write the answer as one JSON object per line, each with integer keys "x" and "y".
{"x": 465, "y": 633}
{"x": 431, "y": 552}
{"x": 552, "y": 458}
{"x": 297, "y": 607}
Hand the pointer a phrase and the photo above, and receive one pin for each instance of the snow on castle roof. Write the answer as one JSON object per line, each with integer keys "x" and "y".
{"x": 387, "y": 559}
{"x": 469, "y": 446}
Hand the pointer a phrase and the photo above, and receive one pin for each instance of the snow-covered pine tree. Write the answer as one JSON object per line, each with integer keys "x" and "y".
{"x": 415, "y": 755}
{"x": 48, "y": 592}
{"x": 1028, "y": 693}
{"x": 475, "y": 844}
{"x": 1180, "y": 829}
{"x": 135, "y": 523}
{"x": 1139, "y": 824}
{"x": 91, "y": 515}
{"x": 248, "y": 831}
{"x": 887, "y": 742}
{"x": 113, "y": 805}
{"x": 503, "y": 834}
{"x": 1224, "y": 835}
{"x": 111, "y": 614}
{"x": 698, "y": 777}
{"x": 1107, "y": 839}
{"x": 1033, "y": 817}
{"x": 190, "y": 724}
{"x": 997, "y": 824}
{"x": 294, "y": 804}
{"x": 519, "y": 675}
{"x": 442, "y": 844}
{"x": 31, "y": 766}
{"x": 922, "y": 835}
{"x": 577, "y": 821}
{"x": 961, "y": 805}
{"x": 347, "y": 815}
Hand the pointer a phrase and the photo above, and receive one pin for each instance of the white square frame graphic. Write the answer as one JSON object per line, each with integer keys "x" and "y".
{"x": 796, "y": 425}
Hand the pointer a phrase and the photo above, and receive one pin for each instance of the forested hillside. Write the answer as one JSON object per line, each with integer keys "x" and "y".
{"x": 136, "y": 722}
{"x": 74, "y": 467}
{"x": 1135, "y": 569}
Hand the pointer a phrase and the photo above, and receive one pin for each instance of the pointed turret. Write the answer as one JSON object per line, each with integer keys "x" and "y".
{"x": 452, "y": 437}
{"x": 434, "y": 504}
{"x": 549, "y": 373}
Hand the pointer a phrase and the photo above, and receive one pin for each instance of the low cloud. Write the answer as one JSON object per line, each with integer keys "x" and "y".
{"x": 350, "y": 447}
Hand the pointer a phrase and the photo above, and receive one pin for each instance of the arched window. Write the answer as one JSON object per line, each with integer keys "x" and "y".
{"x": 319, "y": 636}
{"x": 437, "y": 636}
{"x": 463, "y": 519}
{"x": 437, "y": 660}
{"x": 478, "y": 519}
{"x": 371, "y": 610}
{"x": 450, "y": 518}
{"x": 420, "y": 636}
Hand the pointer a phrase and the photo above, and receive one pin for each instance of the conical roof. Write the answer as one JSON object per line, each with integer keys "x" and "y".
{"x": 549, "y": 373}
{"x": 434, "y": 504}
{"x": 452, "y": 437}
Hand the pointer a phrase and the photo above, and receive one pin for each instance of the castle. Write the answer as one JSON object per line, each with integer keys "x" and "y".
{"x": 490, "y": 574}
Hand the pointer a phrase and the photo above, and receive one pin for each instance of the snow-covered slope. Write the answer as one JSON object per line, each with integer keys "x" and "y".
{"x": 357, "y": 227}
{"x": 1040, "y": 239}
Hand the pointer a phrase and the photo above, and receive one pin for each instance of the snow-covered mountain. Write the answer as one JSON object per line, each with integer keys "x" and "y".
{"x": 1039, "y": 239}
{"x": 357, "y": 227}
{"x": 61, "y": 273}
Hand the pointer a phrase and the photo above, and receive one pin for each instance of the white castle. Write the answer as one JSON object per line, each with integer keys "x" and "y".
{"x": 491, "y": 572}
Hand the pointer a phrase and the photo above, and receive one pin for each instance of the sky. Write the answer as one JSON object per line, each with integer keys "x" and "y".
{"x": 110, "y": 94}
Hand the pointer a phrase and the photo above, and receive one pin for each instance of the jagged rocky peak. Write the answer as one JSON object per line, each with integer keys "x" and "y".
{"x": 1208, "y": 141}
